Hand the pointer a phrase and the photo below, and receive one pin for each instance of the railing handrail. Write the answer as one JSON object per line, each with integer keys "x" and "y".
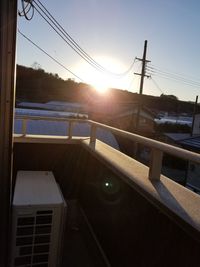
{"x": 167, "y": 148}
{"x": 157, "y": 147}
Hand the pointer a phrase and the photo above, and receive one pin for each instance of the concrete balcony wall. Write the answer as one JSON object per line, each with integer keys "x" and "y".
{"x": 131, "y": 229}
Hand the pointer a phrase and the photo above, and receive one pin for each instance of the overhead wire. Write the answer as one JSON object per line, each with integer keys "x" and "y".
{"x": 26, "y": 9}
{"x": 157, "y": 86}
{"x": 173, "y": 72}
{"x": 55, "y": 60}
{"x": 132, "y": 80}
{"x": 47, "y": 16}
{"x": 175, "y": 79}
{"x": 56, "y": 23}
{"x": 172, "y": 76}
{"x": 66, "y": 41}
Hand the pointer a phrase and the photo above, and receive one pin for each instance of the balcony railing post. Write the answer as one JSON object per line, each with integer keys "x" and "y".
{"x": 155, "y": 164}
{"x": 70, "y": 129}
{"x": 93, "y": 135}
{"x": 24, "y": 126}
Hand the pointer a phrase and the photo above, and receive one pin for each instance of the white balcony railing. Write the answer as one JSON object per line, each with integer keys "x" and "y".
{"x": 157, "y": 148}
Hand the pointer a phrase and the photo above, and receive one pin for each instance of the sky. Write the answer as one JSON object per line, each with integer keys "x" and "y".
{"x": 113, "y": 32}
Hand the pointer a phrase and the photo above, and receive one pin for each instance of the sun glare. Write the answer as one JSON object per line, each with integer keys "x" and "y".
{"x": 99, "y": 80}
{"x": 101, "y": 88}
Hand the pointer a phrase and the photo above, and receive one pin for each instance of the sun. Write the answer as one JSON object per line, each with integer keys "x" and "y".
{"x": 101, "y": 88}
{"x": 101, "y": 81}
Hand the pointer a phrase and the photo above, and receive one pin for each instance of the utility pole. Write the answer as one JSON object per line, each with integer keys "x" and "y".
{"x": 194, "y": 113}
{"x": 143, "y": 72}
{"x": 143, "y": 75}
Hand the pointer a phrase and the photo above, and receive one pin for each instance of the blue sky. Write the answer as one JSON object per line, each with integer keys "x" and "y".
{"x": 113, "y": 33}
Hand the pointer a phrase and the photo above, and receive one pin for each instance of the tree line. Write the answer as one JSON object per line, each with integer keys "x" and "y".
{"x": 36, "y": 85}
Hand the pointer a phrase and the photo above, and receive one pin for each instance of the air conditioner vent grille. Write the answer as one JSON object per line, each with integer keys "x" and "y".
{"x": 38, "y": 220}
{"x": 44, "y": 212}
{"x": 25, "y": 251}
{"x": 40, "y": 265}
{"x": 22, "y": 241}
{"x": 44, "y": 219}
{"x": 25, "y": 231}
{"x": 21, "y": 261}
{"x": 41, "y": 249}
{"x": 33, "y": 238}
{"x": 40, "y": 258}
{"x": 42, "y": 239}
{"x": 25, "y": 221}
{"x": 45, "y": 229}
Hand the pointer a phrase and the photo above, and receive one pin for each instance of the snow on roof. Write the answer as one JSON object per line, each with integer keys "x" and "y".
{"x": 60, "y": 128}
{"x": 66, "y": 104}
{"x": 47, "y": 113}
{"x": 54, "y": 105}
{"x": 175, "y": 120}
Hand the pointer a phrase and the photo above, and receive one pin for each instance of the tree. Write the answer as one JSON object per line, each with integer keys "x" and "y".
{"x": 36, "y": 65}
{"x": 169, "y": 96}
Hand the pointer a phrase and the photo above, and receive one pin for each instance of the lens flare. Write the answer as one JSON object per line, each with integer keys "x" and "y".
{"x": 102, "y": 81}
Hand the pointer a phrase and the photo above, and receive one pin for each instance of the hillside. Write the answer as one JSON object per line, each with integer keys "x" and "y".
{"x": 38, "y": 86}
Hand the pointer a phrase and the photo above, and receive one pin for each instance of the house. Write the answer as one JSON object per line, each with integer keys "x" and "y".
{"x": 190, "y": 142}
{"x": 124, "y": 116}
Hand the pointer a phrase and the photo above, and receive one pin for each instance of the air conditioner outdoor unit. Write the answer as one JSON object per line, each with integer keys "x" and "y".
{"x": 38, "y": 218}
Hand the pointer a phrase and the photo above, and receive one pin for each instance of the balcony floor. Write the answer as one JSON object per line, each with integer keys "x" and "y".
{"x": 80, "y": 247}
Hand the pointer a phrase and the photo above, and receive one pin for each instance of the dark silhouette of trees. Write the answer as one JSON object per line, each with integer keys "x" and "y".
{"x": 36, "y": 85}
{"x": 169, "y": 96}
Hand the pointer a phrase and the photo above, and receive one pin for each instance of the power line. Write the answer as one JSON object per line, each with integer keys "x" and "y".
{"x": 158, "y": 87}
{"x": 175, "y": 79}
{"x": 42, "y": 50}
{"x": 26, "y": 9}
{"x": 172, "y": 76}
{"x": 73, "y": 42}
{"x": 47, "y": 16}
{"x": 174, "y": 72}
{"x": 67, "y": 42}
{"x": 133, "y": 78}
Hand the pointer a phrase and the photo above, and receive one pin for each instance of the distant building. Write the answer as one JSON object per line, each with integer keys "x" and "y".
{"x": 196, "y": 125}
{"x": 124, "y": 116}
{"x": 128, "y": 121}
{"x": 190, "y": 142}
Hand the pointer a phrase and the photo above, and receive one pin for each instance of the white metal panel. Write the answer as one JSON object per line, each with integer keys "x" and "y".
{"x": 36, "y": 188}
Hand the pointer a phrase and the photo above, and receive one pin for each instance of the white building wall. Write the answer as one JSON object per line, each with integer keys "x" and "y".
{"x": 196, "y": 127}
